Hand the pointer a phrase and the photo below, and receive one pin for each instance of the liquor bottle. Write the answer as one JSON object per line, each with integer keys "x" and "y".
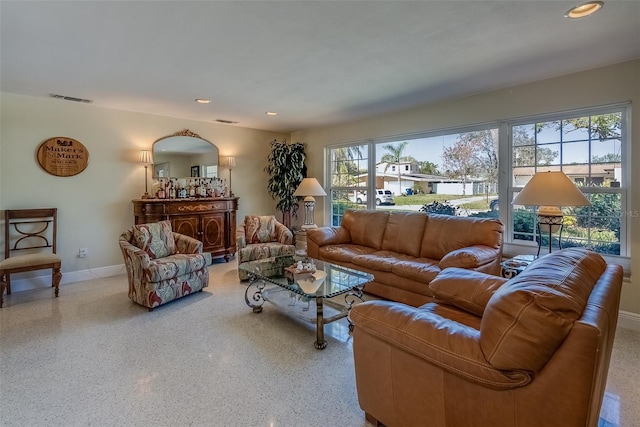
{"x": 196, "y": 188}
{"x": 192, "y": 189}
{"x": 203, "y": 188}
{"x": 161, "y": 191}
{"x": 172, "y": 190}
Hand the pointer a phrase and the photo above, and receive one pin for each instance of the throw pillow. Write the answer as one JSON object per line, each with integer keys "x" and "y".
{"x": 466, "y": 289}
{"x": 155, "y": 238}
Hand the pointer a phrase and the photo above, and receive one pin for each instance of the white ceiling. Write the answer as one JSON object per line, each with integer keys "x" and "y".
{"x": 316, "y": 63}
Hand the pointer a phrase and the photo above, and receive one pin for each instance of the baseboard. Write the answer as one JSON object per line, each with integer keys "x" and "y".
{"x": 628, "y": 320}
{"x": 67, "y": 277}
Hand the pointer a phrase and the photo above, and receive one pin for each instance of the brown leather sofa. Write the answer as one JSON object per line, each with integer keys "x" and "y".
{"x": 406, "y": 250}
{"x": 530, "y": 351}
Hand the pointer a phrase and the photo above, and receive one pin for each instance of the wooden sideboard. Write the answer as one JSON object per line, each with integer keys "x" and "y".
{"x": 210, "y": 220}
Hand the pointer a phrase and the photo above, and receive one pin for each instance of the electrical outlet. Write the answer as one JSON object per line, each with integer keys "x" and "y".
{"x": 83, "y": 252}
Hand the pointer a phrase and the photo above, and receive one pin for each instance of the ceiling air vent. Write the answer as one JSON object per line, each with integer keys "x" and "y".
{"x": 70, "y": 98}
{"x": 228, "y": 122}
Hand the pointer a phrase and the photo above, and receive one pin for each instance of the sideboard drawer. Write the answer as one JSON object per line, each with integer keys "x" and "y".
{"x": 148, "y": 209}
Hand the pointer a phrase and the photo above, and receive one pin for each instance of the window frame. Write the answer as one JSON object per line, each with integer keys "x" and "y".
{"x": 507, "y": 188}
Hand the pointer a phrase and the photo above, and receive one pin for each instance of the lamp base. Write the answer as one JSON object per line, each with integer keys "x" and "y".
{"x": 549, "y": 222}
{"x": 309, "y": 208}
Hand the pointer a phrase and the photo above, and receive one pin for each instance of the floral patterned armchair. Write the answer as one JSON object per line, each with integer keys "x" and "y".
{"x": 262, "y": 237}
{"x": 162, "y": 265}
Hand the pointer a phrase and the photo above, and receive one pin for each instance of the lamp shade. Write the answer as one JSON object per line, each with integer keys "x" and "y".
{"x": 552, "y": 188}
{"x": 309, "y": 187}
{"x": 146, "y": 157}
{"x": 231, "y": 161}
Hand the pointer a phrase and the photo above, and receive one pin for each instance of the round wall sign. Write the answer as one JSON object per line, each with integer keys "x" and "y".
{"x": 62, "y": 156}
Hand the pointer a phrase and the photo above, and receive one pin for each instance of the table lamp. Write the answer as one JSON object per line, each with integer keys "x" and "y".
{"x": 231, "y": 163}
{"x": 146, "y": 158}
{"x": 308, "y": 188}
{"x": 549, "y": 191}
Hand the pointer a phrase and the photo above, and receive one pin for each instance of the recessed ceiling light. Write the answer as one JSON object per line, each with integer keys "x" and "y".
{"x": 271, "y": 113}
{"x": 584, "y": 9}
{"x": 203, "y": 101}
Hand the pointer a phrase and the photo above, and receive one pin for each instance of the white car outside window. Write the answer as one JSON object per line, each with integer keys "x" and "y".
{"x": 383, "y": 197}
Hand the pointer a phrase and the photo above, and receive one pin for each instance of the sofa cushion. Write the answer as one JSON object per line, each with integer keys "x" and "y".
{"x": 527, "y": 319}
{"x": 445, "y": 233}
{"x": 418, "y": 269}
{"x": 404, "y": 232}
{"x": 380, "y": 260}
{"x": 366, "y": 227}
{"x": 155, "y": 238}
{"x": 466, "y": 289}
{"x": 260, "y": 229}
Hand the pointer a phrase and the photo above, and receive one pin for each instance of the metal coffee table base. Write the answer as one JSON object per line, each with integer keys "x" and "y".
{"x": 286, "y": 300}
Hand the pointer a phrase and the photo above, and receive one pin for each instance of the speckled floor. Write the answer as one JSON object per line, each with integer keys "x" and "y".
{"x": 92, "y": 357}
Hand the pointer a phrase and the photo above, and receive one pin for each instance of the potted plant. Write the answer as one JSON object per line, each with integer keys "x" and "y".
{"x": 286, "y": 170}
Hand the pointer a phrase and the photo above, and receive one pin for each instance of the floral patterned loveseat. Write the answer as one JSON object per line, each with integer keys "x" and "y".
{"x": 262, "y": 237}
{"x": 162, "y": 265}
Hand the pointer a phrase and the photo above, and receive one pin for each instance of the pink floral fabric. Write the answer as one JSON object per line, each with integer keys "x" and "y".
{"x": 260, "y": 229}
{"x": 155, "y": 238}
{"x": 262, "y": 237}
{"x": 153, "y": 282}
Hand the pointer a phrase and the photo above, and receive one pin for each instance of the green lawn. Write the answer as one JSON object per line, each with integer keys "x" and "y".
{"x": 423, "y": 199}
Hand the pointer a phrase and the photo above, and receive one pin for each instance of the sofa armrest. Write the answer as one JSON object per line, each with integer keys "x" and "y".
{"x": 186, "y": 244}
{"x": 323, "y": 236}
{"x": 283, "y": 234}
{"x": 440, "y": 341}
{"x": 136, "y": 254}
{"x": 469, "y": 257}
{"x": 241, "y": 238}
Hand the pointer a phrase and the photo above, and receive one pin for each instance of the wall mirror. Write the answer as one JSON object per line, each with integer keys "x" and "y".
{"x": 183, "y": 154}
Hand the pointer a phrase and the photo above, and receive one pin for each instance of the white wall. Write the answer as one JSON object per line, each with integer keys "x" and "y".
{"x": 94, "y": 207}
{"x": 602, "y": 86}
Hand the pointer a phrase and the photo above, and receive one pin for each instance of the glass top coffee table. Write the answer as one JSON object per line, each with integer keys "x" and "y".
{"x": 274, "y": 280}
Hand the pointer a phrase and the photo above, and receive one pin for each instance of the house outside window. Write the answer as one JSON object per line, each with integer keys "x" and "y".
{"x": 406, "y": 173}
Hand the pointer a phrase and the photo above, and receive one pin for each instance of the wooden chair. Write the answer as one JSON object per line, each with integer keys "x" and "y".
{"x": 28, "y": 230}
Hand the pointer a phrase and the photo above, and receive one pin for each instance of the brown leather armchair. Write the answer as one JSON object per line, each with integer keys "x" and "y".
{"x": 530, "y": 351}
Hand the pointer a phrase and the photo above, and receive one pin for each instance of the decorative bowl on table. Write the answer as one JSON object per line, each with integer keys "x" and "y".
{"x": 310, "y": 282}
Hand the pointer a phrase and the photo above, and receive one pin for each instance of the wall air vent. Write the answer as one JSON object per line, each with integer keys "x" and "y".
{"x": 228, "y": 122}
{"x": 70, "y": 98}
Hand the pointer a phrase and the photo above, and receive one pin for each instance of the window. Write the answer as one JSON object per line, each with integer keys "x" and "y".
{"x": 589, "y": 148}
{"x": 457, "y": 168}
{"x": 349, "y": 175}
{"x": 456, "y": 172}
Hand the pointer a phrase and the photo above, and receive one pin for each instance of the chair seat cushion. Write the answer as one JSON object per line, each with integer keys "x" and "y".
{"x": 29, "y": 260}
{"x": 176, "y": 265}
{"x": 155, "y": 238}
{"x": 264, "y": 250}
